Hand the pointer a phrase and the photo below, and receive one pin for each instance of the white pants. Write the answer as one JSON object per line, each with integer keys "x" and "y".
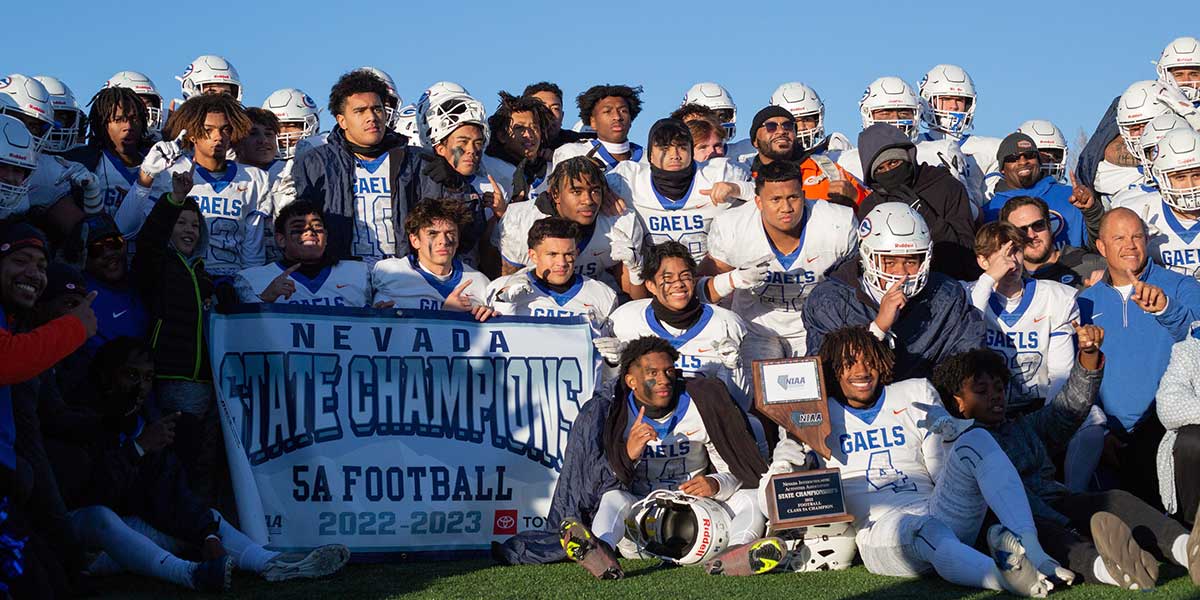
{"x": 746, "y": 521}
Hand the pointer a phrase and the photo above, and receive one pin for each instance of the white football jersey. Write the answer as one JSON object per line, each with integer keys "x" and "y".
{"x": 586, "y": 297}
{"x": 937, "y": 153}
{"x": 682, "y": 451}
{"x": 697, "y": 357}
{"x": 1034, "y": 333}
{"x": 687, "y": 220}
{"x": 44, "y": 186}
{"x": 409, "y": 285}
{"x": 374, "y": 225}
{"x": 1112, "y": 180}
{"x": 829, "y": 232}
{"x": 596, "y": 150}
{"x": 348, "y": 283}
{"x": 502, "y": 171}
{"x": 1173, "y": 239}
{"x": 983, "y": 170}
{"x": 1134, "y": 196}
{"x": 741, "y": 153}
{"x": 234, "y": 207}
{"x": 115, "y": 179}
{"x": 595, "y": 258}
{"x": 881, "y": 450}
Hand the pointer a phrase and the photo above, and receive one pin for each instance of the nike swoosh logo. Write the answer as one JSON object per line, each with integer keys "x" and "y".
{"x": 341, "y": 285}
{"x": 1039, "y": 319}
{"x": 1096, "y": 315}
{"x": 117, "y": 315}
{"x": 896, "y": 412}
{"x": 703, "y": 350}
{"x": 813, "y": 258}
{"x": 691, "y": 433}
{"x": 597, "y": 252}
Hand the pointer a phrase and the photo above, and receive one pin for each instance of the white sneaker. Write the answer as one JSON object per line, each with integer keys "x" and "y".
{"x": 1017, "y": 574}
{"x": 321, "y": 561}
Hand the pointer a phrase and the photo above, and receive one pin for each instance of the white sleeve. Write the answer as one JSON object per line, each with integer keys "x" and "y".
{"x": 1060, "y": 356}
{"x": 511, "y": 238}
{"x": 933, "y": 446}
{"x": 253, "y": 252}
{"x": 620, "y": 186}
{"x": 245, "y": 292}
{"x": 727, "y": 482}
{"x": 717, "y": 245}
{"x": 981, "y": 291}
{"x": 134, "y": 209}
{"x": 740, "y": 177}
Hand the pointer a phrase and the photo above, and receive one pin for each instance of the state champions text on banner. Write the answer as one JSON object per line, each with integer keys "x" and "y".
{"x": 425, "y": 433}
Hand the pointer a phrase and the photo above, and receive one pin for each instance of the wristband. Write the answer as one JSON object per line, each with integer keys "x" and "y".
{"x": 723, "y": 285}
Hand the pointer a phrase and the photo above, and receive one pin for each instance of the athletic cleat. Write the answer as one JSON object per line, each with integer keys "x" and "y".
{"x": 754, "y": 558}
{"x": 1193, "y": 553}
{"x": 1130, "y": 566}
{"x": 321, "y": 561}
{"x": 591, "y": 553}
{"x": 1017, "y": 573}
{"x": 214, "y": 575}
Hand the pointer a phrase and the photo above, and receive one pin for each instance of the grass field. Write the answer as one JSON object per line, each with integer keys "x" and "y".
{"x": 644, "y": 580}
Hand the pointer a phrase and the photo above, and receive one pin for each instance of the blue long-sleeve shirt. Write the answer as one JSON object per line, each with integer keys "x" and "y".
{"x": 1066, "y": 221}
{"x": 1137, "y": 344}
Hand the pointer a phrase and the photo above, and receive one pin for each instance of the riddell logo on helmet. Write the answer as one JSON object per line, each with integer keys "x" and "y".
{"x": 905, "y": 245}
{"x": 705, "y": 541}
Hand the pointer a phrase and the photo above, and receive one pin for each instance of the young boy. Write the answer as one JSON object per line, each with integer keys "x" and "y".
{"x": 974, "y": 385}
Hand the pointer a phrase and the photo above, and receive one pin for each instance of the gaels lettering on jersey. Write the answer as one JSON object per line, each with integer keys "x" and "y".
{"x": 676, "y": 223}
{"x": 1021, "y": 340}
{"x": 688, "y": 362}
{"x": 339, "y": 301}
{"x": 791, "y": 277}
{"x": 872, "y": 439}
{"x": 667, "y": 450}
{"x": 548, "y": 312}
{"x": 427, "y": 304}
{"x": 371, "y": 185}
{"x": 1175, "y": 257}
{"x": 221, "y": 207}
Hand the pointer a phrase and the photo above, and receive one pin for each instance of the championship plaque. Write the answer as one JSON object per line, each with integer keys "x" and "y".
{"x": 791, "y": 392}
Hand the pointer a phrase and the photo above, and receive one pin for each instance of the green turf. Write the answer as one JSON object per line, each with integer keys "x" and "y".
{"x": 644, "y": 580}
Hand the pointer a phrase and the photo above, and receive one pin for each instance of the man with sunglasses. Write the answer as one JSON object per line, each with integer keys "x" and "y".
{"x": 1069, "y": 265}
{"x": 773, "y": 133}
{"x": 1021, "y": 168}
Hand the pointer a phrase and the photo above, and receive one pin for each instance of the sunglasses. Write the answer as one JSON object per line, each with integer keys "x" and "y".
{"x": 1037, "y": 226}
{"x": 110, "y": 244}
{"x": 771, "y": 126}
{"x": 1031, "y": 155}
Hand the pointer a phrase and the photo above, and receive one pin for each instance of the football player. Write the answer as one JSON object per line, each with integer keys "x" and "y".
{"x": 432, "y": 277}
{"x": 917, "y": 481}
{"x": 949, "y": 114}
{"x": 210, "y": 74}
{"x": 1052, "y": 145}
{"x": 118, "y": 140}
{"x": 305, "y": 274}
{"x": 609, "y": 110}
{"x": 232, "y": 196}
{"x": 770, "y": 254}
{"x": 18, "y": 161}
{"x": 520, "y": 126}
{"x": 661, "y": 440}
{"x": 675, "y": 197}
{"x": 145, "y": 90}
{"x": 70, "y": 125}
{"x": 1179, "y": 65}
{"x": 1172, "y": 212}
{"x": 609, "y": 247}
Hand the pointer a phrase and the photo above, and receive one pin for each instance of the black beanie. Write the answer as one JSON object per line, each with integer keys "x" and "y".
{"x": 769, "y": 112}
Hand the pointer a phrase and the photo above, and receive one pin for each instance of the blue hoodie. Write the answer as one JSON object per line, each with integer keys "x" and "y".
{"x": 1137, "y": 344}
{"x": 1065, "y": 219}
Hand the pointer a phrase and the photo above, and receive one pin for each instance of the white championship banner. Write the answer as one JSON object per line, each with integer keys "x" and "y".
{"x": 428, "y": 432}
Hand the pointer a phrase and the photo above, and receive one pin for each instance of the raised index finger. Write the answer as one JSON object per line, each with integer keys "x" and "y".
{"x": 292, "y": 269}
{"x": 641, "y": 414}
{"x": 178, "y": 138}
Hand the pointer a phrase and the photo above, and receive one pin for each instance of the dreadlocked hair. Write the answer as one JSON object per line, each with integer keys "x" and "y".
{"x": 104, "y": 106}
{"x": 501, "y": 120}
{"x": 840, "y": 349}
{"x": 576, "y": 168}
{"x": 191, "y": 115}
{"x": 645, "y": 345}
{"x": 588, "y": 99}
{"x": 952, "y": 374}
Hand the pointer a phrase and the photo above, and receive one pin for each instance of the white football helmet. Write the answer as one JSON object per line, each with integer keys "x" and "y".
{"x": 820, "y": 547}
{"x": 678, "y": 527}
{"x": 144, "y": 88}
{"x": 70, "y": 122}
{"x": 802, "y": 101}
{"x": 393, "y": 101}
{"x": 406, "y": 123}
{"x": 1178, "y": 151}
{"x": 439, "y": 117}
{"x": 894, "y": 228}
{"x": 1152, "y": 135}
{"x": 717, "y": 98}
{"x": 890, "y": 93}
{"x": 291, "y": 105}
{"x": 208, "y": 69}
{"x": 1046, "y": 136}
{"x": 1182, "y": 52}
{"x": 17, "y": 150}
{"x": 947, "y": 80}
{"x": 30, "y": 104}
{"x": 1137, "y": 106}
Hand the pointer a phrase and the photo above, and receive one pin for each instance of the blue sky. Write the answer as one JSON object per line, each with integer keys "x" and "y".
{"x": 1062, "y": 61}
